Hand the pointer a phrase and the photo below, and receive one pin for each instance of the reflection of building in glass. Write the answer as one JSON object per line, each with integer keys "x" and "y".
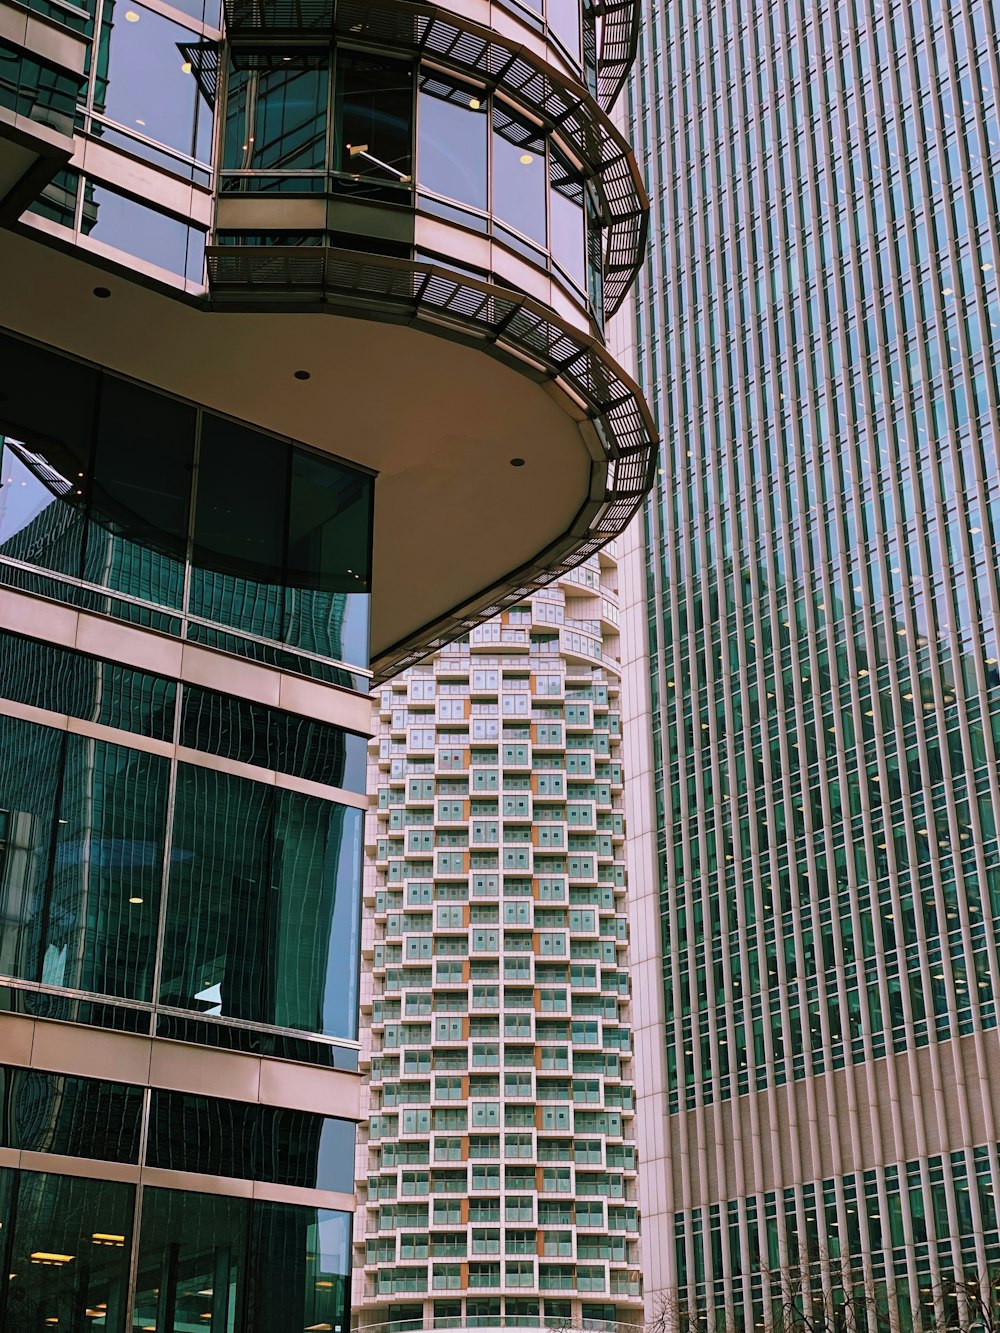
{"x": 498, "y": 1176}
{"x": 816, "y": 799}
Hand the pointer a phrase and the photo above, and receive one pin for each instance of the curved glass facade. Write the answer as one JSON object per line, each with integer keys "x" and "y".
{"x": 820, "y": 329}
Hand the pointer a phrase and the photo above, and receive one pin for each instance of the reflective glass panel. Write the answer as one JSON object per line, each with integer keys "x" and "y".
{"x": 148, "y": 85}
{"x": 192, "y": 1262}
{"x": 373, "y": 111}
{"x": 276, "y": 119}
{"x": 302, "y": 1266}
{"x": 80, "y": 865}
{"x": 68, "y": 1256}
{"x": 118, "y": 221}
{"x": 518, "y": 175}
{"x": 452, "y": 150}
{"x": 141, "y": 492}
{"x": 254, "y": 734}
{"x": 226, "y": 1138}
{"x": 240, "y": 520}
{"x": 46, "y": 418}
{"x": 329, "y": 544}
{"x": 564, "y": 20}
{"x": 103, "y": 889}
{"x": 262, "y": 911}
{"x": 80, "y": 1117}
{"x": 46, "y": 676}
{"x": 568, "y": 238}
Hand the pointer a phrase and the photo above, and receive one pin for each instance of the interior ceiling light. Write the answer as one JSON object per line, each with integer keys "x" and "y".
{"x": 526, "y": 159}
{"x": 131, "y": 16}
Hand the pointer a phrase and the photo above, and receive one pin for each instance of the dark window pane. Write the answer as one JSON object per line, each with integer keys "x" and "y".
{"x": 373, "y": 110}
{"x": 329, "y": 558}
{"x": 452, "y": 126}
{"x": 518, "y": 175}
{"x": 192, "y": 1262}
{"x": 276, "y": 119}
{"x": 47, "y": 416}
{"x": 316, "y": 940}
{"x": 240, "y": 523}
{"x": 30, "y": 765}
{"x": 79, "y": 1117}
{"x": 149, "y": 86}
{"x": 204, "y": 1134}
{"x": 262, "y": 920}
{"x": 140, "y": 498}
{"x": 300, "y": 1259}
{"x": 46, "y": 676}
{"x": 274, "y": 1144}
{"x": 83, "y": 1229}
{"x": 217, "y": 906}
{"x": 255, "y": 734}
{"x": 102, "y": 899}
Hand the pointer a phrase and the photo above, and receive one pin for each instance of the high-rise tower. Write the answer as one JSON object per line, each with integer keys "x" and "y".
{"x": 498, "y": 1176}
{"x": 302, "y": 374}
{"x": 816, "y": 875}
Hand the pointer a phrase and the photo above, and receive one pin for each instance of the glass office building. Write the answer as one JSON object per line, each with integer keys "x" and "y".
{"x": 496, "y": 1175}
{"x": 815, "y": 803}
{"x": 302, "y": 374}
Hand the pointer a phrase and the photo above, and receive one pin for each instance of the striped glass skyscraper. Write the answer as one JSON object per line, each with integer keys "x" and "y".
{"x": 812, "y": 745}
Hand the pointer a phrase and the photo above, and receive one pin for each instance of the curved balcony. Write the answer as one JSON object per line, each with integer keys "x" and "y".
{"x": 524, "y": 99}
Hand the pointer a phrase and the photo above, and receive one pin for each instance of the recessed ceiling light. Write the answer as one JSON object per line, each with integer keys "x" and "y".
{"x": 131, "y": 16}
{"x": 135, "y": 901}
{"x": 474, "y": 104}
{"x": 186, "y": 67}
{"x": 102, "y": 292}
{"x": 526, "y": 159}
{"x": 517, "y": 462}
{"x": 302, "y": 375}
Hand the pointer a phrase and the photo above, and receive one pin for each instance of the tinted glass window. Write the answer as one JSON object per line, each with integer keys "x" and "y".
{"x": 79, "y": 1117}
{"x": 262, "y": 914}
{"x": 240, "y": 523}
{"x": 452, "y": 128}
{"x": 46, "y": 416}
{"x": 329, "y": 540}
{"x": 141, "y": 491}
{"x": 84, "y": 1228}
{"x": 149, "y": 86}
{"x": 67, "y": 682}
{"x": 568, "y": 240}
{"x": 254, "y": 734}
{"x": 192, "y": 1266}
{"x": 121, "y": 222}
{"x": 224, "y": 1138}
{"x": 373, "y": 111}
{"x": 199, "y": 1267}
{"x": 81, "y": 867}
{"x": 564, "y": 20}
{"x": 276, "y": 119}
{"x": 518, "y": 175}
{"x": 302, "y": 1265}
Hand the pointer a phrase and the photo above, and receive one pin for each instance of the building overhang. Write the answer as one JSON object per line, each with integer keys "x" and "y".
{"x": 403, "y": 386}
